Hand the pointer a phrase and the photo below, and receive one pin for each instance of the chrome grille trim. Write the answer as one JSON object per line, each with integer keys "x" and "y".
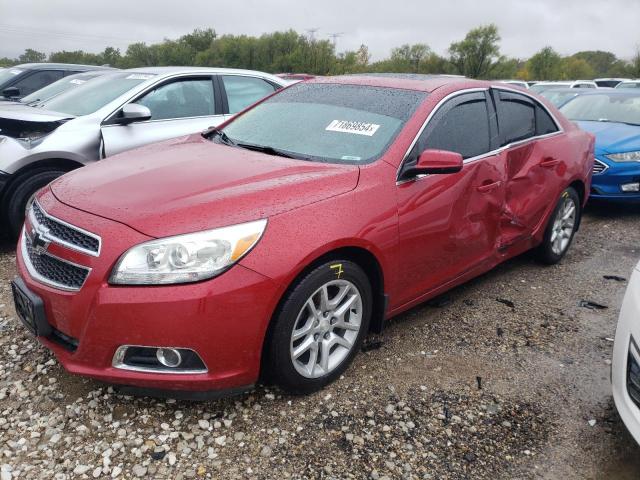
{"x": 599, "y": 167}
{"x": 54, "y": 238}
{"x": 41, "y": 278}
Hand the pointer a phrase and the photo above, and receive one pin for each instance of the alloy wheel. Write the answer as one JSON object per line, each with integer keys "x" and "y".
{"x": 563, "y": 226}
{"x": 326, "y": 328}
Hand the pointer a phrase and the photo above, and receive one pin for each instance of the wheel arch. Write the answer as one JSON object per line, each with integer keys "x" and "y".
{"x": 581, "y": 189}
{"x": 365, "y": 259}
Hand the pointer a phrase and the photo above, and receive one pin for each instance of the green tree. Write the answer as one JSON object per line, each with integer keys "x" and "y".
{"x": 475, "y": 56}
{"x": 545, "y": 65}
{"x": 634, "y": 65}
{"x": 574, "y": 68}
{"x": 32, "y": 56}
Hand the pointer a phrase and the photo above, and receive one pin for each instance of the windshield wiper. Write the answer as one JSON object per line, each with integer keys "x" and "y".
{"x": 269, "y": 150}
{"x": 215, "y": 131}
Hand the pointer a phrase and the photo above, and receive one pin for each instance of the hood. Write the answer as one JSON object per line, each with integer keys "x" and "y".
{"x": 25, "y": 113}
{"x": 21, "y": 121}
{"x": 192, "y": 184}
{"x": 613, "y": 137}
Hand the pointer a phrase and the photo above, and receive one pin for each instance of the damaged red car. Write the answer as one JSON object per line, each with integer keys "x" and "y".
{"x": 267, "y": 249}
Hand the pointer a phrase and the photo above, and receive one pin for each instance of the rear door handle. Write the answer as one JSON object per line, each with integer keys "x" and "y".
{"x": 549, "y": 162}
{"x": 488, "y": 187}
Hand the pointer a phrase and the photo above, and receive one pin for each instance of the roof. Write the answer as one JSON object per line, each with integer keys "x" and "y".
{"x": 59, "y": 66}
{"x": 205, "y": 70}
{"x": 424, "y": 83}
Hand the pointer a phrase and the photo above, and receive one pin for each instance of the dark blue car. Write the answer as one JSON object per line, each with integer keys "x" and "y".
{"x": 613, "y": 116}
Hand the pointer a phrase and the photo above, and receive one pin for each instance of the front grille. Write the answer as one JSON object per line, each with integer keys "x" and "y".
{"x": 66, "y": 234}
{"x": 52, "y": 270}
{"x": 633, "y": 378}
{"x": 599, "y": 167}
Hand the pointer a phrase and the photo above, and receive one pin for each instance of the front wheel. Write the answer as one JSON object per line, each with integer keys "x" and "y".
{"x": 561, "y": 228}
{"x": 320, "y": 327}
{"x": 19, "y": 193}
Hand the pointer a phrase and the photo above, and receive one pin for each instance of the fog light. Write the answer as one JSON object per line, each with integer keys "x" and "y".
{"x": 630, "y": 187}
{"x": 169, "y": 357}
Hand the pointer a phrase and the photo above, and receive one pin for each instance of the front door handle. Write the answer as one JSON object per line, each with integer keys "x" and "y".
{"x": 488, "y": 187}
{"x": 549, "y": 162}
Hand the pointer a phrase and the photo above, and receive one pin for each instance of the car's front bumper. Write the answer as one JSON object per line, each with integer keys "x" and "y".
{"x": 223, "y": 319}
{"x": 626, "y": 358}
{"x": 607, "y": 185}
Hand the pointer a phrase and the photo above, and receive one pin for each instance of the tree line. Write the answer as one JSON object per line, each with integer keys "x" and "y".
{"x": 477, "y": 55}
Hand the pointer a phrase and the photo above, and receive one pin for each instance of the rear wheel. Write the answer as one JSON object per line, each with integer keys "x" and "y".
{"x": 320, "y": 327}
{"x": 561, "y": 228}
{"x": 19, "y": 193}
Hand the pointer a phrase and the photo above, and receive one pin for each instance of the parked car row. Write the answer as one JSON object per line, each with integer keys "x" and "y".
{"x": 117, "y": 111}
{"x": 285, "y": 235}
{"x": 301, "y": 218}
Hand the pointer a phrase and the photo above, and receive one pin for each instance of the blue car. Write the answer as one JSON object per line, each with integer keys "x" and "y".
{"x": 613, "y": 116}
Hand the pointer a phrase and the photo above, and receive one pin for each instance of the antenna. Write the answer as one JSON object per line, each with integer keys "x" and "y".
{"x": 334, "y": 37}
{"x": 312, "y": 33}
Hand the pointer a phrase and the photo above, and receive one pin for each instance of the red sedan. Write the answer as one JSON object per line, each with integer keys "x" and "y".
{"x": 269, "y": 248}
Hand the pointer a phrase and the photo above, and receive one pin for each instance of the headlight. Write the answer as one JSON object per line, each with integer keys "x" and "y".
{"x": 186, "y": 258}
{"x": 625, "y": 157}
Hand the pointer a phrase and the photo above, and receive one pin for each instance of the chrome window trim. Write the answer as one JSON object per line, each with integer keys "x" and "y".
{"x": 606, "y": 167}
{"x": 487, "y": 154}
{"x": 36, "y": 276}
{"x": 64, "y": 243}
{"x": 118, "y": 362}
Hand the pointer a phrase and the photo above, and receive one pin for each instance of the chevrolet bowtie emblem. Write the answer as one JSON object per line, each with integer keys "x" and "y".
{"x": 39, "y": 240}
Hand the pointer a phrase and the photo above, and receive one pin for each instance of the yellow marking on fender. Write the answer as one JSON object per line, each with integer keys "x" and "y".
{"x": 565, "y": 194}
{"x": 338, "y": 268}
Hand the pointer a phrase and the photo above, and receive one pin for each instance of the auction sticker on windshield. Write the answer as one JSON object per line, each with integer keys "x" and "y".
{"x": 358, "y": 128}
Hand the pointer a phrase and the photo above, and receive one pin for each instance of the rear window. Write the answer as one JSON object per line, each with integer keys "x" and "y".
{"x": 328, "y": 122}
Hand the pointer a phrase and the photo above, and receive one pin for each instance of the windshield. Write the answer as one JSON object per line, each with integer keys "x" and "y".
{"x": 540, "y": 87}
{"x": 58, "y": 87}
{"x": 327, "y": 122}
{"x": 8, "y": 74}
{"x": 603, "y": 107}
{"x": 629, "y": 85}
{"x": 558, "y": 98}
{"x": 91, "y": 96}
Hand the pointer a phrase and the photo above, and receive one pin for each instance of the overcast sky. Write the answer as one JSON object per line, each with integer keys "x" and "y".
{"x": 525, "y": 25}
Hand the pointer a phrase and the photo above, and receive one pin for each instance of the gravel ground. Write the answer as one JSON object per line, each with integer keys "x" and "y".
{"x": 502, "y": 378}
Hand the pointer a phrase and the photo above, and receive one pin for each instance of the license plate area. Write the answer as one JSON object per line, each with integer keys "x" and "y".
{"x": 30, "y": 309}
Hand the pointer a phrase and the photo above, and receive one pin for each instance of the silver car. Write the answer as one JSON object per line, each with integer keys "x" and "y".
{"x": 108, "y": 115}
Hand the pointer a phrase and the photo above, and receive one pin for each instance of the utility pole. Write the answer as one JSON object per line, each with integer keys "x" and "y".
{"x": 312, "y": 33}
{"x": 334, "y": 37}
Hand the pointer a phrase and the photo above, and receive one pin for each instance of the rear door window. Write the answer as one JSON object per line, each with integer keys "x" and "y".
{"x": 244, "y": 91}
{"x": 516, "y": 117}
{"x": 544, "y": 122}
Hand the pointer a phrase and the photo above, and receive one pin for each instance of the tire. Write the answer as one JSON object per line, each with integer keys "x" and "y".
{"x": 559, "y": 233}
{"x": 19, "y": 193}
{"x": 347, "y": 286}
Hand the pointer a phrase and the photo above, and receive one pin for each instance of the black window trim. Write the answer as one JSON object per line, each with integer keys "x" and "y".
{"x": 491, "y": 153}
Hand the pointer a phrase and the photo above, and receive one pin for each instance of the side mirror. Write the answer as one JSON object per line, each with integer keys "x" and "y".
{"x": 133, "y": 112}
{"x": 432, "y": 162}
{"x": 11, "y": 92}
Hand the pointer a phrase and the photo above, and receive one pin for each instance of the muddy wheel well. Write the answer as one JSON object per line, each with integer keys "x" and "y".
{"x": 54, "y": 163}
